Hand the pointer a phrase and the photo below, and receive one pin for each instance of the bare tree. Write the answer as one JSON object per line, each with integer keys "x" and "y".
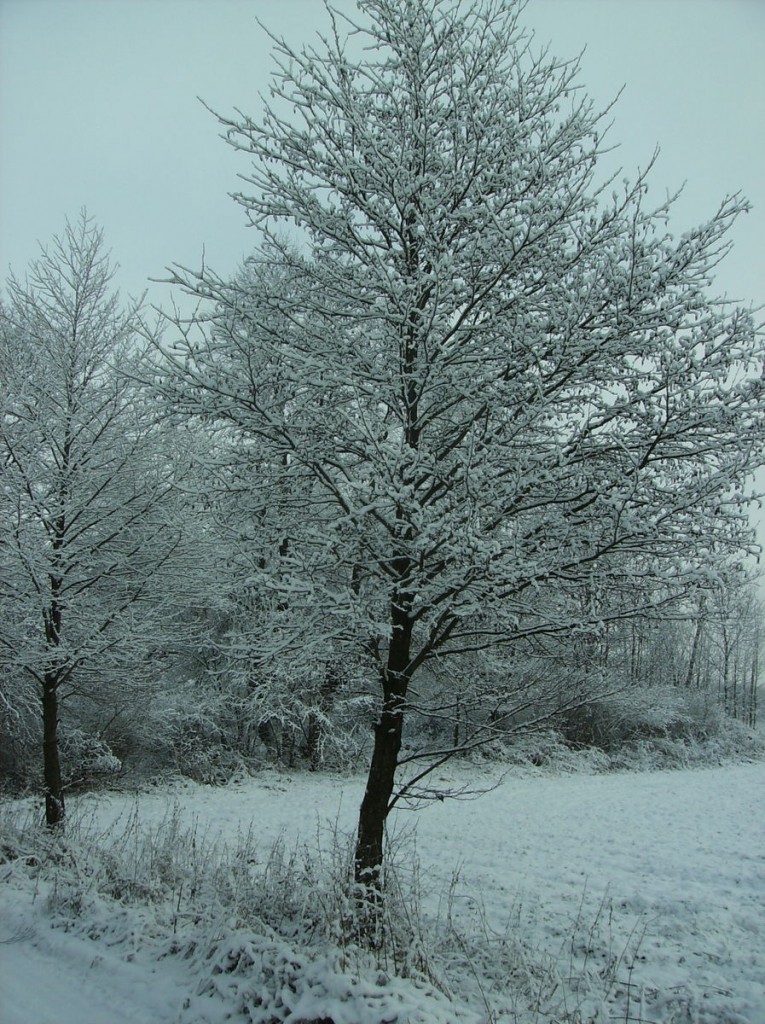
{"x": 84, "y": 528}
{"x": 491, "y": 395}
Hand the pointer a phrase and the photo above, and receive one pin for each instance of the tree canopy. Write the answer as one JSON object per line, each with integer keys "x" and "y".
{"x": 486, "y": 395}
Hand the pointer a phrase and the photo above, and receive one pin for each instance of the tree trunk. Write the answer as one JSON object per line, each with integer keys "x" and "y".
{"x": 374, "y": 806}
{"x": 694, "y": 651}
{"x": 753, "y": 690}
{"x": 54, "y": 792}
{"x": 52, "y": 618}
{"x": 382, "y": 770}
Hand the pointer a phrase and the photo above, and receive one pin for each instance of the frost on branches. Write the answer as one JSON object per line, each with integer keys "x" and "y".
{"x": 487, "y": 399}
{"x": 85, "y": 528}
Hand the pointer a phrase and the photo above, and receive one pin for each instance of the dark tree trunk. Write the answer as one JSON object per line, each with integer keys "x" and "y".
{"x": 753, "y": 691}
{"x": 374, "y": 806}
{"x": 694, "y": 652}
{"x": 54, "y": 791}
{"x": 382, "y": 770}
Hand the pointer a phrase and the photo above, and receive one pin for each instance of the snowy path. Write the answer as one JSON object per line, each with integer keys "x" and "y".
{"x": 55, "y": 979}
{"x": 679, "y": 854}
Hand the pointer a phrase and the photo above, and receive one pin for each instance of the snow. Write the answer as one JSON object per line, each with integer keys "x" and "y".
{"x": 54, "y": 978}
{"x": 654, "y": 881}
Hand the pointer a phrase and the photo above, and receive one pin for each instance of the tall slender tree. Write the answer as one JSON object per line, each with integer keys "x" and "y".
{"x": 505, "y": 392}
{"x": 84, "y": 529}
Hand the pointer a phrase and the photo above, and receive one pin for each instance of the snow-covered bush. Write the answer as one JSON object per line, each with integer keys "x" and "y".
{"x": 549, "y": 751}
{"x": 314, "y": 717}
{"x": 659, "y": 727}
{"x": 194, "y": 739}
{"x": 86, "y": 759}
{"x": 633, "y": 715}
{"x": 19, "y": 754}
{"x": 301, "y": 731}
{"x": 265, "y": 980}
{"x": 20, "y": 730}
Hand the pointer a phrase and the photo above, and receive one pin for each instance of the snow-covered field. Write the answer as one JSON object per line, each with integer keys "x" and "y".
{"x": 625, "y": 897}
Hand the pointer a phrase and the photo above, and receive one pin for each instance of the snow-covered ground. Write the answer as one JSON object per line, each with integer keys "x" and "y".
{"x": 641, "y": 896}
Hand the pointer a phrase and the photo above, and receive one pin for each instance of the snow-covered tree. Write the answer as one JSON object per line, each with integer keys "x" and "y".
{"x": 85, "y": 530}
{"x": 489, "y": 398}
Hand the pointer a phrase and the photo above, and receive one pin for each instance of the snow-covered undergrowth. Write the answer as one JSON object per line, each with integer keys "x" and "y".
{"x": 726, "y": 742}
{"x": 549, "y": 899}
{"x": 267, "y": 935}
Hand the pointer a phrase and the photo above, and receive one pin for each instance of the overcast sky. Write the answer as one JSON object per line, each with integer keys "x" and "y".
{"x": 98, "y": 108}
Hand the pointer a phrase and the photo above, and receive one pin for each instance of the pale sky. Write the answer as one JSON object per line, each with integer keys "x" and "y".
{"x": 98, "y": 108}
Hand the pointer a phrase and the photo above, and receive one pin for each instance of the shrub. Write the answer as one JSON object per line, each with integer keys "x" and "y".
{"x": 193, "y": 740}
{"x": 633, "y": 715}
{"x": 86, "y": 760}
